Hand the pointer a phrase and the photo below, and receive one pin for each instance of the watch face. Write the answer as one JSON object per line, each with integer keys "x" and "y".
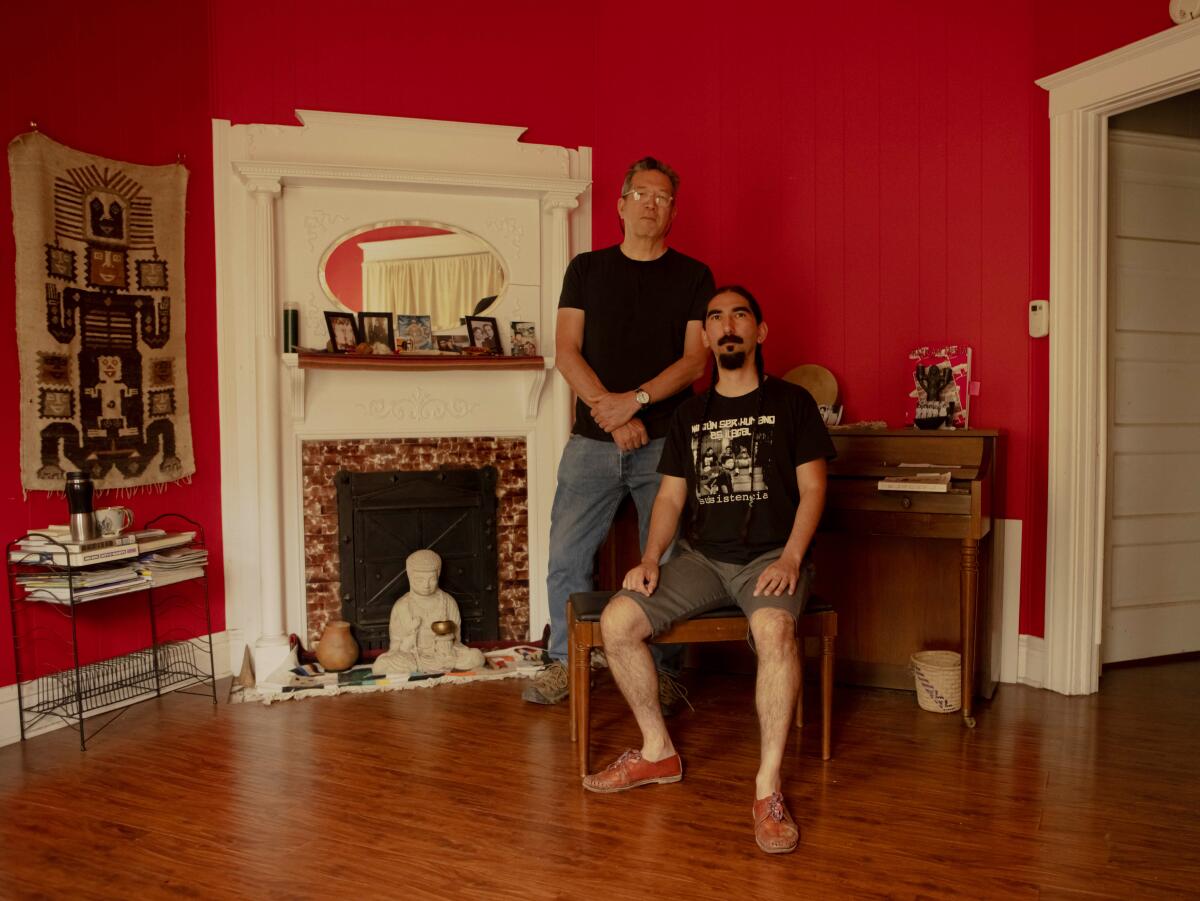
{"x": 642, "y": 398}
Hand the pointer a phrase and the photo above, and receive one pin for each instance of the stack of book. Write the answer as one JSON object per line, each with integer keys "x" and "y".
{"x": 60, "y": 587}
{"x": 53, "y": 546}
{"x": 162, "y": 558}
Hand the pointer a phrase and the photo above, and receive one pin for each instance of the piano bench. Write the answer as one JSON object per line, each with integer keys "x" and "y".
{"x": 724, "y": 624}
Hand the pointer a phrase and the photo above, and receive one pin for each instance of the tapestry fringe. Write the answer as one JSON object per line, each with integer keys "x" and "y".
{"x": 111, "y": 493}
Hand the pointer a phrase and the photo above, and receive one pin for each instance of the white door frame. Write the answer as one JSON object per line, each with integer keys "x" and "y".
{"x": 1081, "y": 100}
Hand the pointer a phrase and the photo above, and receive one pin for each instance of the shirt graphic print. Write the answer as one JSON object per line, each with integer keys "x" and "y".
{"x": 731, "y": 456}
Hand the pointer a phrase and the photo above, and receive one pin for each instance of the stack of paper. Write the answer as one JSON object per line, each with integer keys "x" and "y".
{"x": 156, "y": 539}
{"x": 177, "y": 564}
{"x": 88, "y": 584}
{"x": 174, "y": 558}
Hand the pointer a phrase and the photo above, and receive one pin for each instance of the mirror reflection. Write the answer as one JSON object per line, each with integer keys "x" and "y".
{"x": 414, "y": 270}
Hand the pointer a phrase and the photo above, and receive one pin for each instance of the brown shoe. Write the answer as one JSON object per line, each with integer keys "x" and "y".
{"x": 630, "y": 770}
{"x": 671, "y": 694}
{"x": 774, "y": 829}
{"x": 550, "y": 686}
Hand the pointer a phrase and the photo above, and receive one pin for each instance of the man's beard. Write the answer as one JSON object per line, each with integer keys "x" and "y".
{"x": 734, "y": 360}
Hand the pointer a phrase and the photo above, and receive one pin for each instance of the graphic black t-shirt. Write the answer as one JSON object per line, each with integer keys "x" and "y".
{"x": 635, "y": 316}
{"x": 742, "y": 453}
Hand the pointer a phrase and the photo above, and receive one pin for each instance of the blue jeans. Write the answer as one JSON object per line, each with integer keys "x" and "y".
{"x": 593, "y": 479}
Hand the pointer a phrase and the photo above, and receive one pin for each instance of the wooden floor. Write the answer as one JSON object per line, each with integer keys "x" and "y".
{"x": 465, "y": 792}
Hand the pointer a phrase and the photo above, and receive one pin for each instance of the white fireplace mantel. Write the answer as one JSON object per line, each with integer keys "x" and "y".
{"x": 283, "y": 196}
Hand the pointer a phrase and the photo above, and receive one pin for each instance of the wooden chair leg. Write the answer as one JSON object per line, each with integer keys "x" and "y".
{"x": 826, "y": 696}
{"x": 581, "y": 693}
{"x": 800, "y": 693}
{"x": 571, "y": 692}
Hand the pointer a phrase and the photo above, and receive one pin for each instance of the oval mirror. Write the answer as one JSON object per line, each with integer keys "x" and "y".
{"x": 415, "y": 269}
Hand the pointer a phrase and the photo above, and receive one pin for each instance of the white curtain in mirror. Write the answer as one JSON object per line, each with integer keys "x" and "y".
{"x": 441, "y": 287}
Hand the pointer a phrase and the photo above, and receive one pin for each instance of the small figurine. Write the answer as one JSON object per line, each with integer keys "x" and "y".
{"x": 423, "y": 632}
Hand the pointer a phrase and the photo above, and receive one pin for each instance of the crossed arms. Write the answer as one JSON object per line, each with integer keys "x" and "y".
{"x": 616, "y": 413}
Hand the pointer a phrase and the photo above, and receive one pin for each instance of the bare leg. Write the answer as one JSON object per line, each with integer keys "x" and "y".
{"x": 778, "y": 681}
{"x": 626, "y": 631}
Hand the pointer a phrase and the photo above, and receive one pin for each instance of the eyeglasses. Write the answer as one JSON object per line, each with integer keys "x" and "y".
{"x": 662, "y": 201}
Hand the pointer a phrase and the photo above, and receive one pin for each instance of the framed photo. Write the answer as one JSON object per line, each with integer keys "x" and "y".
{"x": 484, "y": 333}
{"x": 376, "y": 329}
{"x": 416, "y": 331}
{"x": 343, "y": 331}
{"x": 450, "y": 344}
{"x": 524, "y": 339}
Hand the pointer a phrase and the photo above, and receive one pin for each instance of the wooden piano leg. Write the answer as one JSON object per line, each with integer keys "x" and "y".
{"x": 969, "y": 599}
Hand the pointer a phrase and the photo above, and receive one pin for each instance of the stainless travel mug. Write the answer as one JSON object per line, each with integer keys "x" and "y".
{"x": 79, "y": 503}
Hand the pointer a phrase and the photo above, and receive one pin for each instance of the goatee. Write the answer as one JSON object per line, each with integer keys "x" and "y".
{"x": 733, "y": 360}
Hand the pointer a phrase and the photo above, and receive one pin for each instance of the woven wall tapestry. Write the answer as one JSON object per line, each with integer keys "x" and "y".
{"x": 100, "y": 317}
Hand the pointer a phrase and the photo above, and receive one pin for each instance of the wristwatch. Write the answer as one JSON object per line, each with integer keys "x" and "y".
{"x": 641, "y": 396}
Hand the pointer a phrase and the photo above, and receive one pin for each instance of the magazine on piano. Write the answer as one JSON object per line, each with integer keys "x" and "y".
{"x": 922, "y": 481}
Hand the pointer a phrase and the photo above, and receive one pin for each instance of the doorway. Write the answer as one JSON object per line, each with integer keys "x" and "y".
{"x": 1082, "y": 99}
{"x": 1152, "y": 517}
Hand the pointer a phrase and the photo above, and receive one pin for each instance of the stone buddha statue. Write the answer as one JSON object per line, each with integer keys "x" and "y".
{"x": 423, "y": 632}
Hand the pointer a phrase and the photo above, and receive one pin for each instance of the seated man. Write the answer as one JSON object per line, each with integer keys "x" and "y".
{"x": 749, "y": 546}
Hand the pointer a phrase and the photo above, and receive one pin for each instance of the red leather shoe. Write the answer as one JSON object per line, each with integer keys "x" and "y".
{"x": 630, "y": 770}
{"x": 774, "y": 829}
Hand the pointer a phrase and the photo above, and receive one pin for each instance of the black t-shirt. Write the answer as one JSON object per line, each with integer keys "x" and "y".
{"x": 635, "y": 316}
{"x": 740, "y": 453}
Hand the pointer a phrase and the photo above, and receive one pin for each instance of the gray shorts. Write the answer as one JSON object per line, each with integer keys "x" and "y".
{"x": 690, "y": 583}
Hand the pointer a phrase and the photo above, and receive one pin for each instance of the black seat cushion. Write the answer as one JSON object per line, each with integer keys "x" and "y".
{"x": 590, "y": 604}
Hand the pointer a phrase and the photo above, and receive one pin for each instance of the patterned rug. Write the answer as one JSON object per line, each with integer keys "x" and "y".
{"x": 100, "y": 317}
{"x": 499, "y": 664}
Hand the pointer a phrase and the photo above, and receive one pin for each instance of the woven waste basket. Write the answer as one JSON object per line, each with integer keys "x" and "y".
{"x": 939, "y": 680}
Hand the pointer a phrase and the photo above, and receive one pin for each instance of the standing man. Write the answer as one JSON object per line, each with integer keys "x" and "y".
{"x": 750, "y": 546}
{"x": 628, "y": 342}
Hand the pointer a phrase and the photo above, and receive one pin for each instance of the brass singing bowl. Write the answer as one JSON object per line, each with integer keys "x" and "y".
{"x": 443, "y": 627}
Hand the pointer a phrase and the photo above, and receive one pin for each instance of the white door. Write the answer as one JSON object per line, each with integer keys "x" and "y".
{"x": 1152, "y": 584}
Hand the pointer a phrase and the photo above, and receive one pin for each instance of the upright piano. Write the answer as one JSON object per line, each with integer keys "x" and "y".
{"x": 855, "y": 505}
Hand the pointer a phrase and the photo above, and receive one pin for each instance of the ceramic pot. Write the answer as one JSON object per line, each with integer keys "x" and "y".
{"x": 337, "y": 650}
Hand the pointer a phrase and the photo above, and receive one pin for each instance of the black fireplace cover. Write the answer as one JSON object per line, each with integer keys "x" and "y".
{"x": 385, "y": 516}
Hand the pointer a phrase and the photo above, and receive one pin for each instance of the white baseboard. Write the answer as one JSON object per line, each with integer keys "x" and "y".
{"x": 1031, "y": 661}
{"x": 10, "y": 723}
{"x": 1006, "y": 595}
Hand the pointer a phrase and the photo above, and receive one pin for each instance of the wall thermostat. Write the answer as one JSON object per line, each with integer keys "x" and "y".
{"x": 1039, "y": 318}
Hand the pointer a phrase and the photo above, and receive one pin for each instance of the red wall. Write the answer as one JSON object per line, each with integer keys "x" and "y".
{"x": 1065, "y": 33}
{"x": 876, "y": 175}
{"x": 127, "y": 81}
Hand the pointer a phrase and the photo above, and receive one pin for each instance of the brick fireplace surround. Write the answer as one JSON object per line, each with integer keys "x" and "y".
{"x": 321, "y": 460}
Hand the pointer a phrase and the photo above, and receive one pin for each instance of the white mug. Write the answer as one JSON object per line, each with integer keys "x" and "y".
{"x": 114, "y": 520}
